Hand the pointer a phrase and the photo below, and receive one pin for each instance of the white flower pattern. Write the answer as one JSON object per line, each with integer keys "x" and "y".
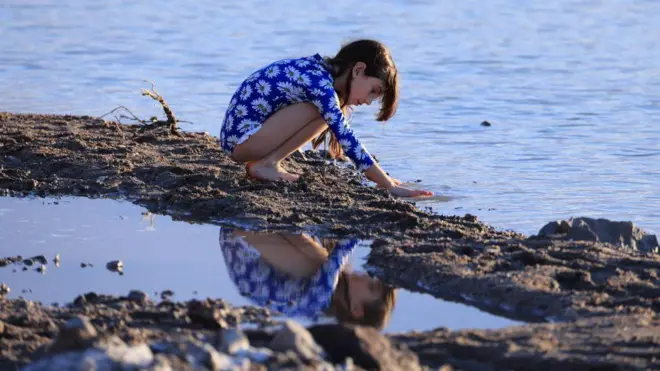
{"x": 246, "y": 92}
{"x": 263, "y": 87}
{"x": 261, "y": 105}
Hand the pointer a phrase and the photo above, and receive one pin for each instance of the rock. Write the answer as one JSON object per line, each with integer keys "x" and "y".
{"x": 203, "y": 313}
{"x": 89, "y": 297}
{"x": 83, "y": 265}
{"x": 486, "y": 123}
{"x": 115, "y": 266}
{"x": 56, "y": 260}
{"x": 10, "y": 260}
{"x": 368, "y": 348}
{"x": 233, "y": 341}
{"x": 77, "y": 333}
{"x": 39, "y": 259}
{"x": 199, "y": 355}
{"x": 295, "y": 337}
{"x": 4, "y": 289}
{"x": 166, "y": 295}
{"x": 41, "y": 269}
{"x": 138, "y": 296}
{"x": 257, "y": 355}
{"x": 105, "y": 354}
{"x": 620, "y": 234}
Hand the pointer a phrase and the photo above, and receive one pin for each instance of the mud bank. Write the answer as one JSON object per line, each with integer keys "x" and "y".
{"x": 456, "y": 258}
{"x": 132, "y": 331}
{"x": 189, "y": 177}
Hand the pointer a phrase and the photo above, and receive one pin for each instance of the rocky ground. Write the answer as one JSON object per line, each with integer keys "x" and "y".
{"x": 602, "y": 294}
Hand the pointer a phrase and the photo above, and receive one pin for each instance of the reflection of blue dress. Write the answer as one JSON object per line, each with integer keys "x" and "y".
{"x": 267, "y": 287}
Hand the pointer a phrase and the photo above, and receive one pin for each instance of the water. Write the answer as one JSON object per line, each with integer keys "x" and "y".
{"x": 571, "y": 86}
{"x": 158, "y": 254}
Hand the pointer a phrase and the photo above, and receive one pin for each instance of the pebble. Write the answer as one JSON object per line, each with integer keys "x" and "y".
{"x": 115, "y": 266}
{"x": 167, "y": 294}
{"x": 138, "y": 296}
{"x": 42, "y": 269}
{"x": 293, "y": 336}
{"x": 233, "y": 341}
{"x": 4, "y": 289}
{"x": 486, "y": 123}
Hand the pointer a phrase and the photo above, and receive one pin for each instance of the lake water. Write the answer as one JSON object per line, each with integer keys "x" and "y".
{"x": 158, "y": 254}
{"x": 572, "y": 87}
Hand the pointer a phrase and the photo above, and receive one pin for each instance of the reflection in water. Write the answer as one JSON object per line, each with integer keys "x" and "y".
{"x": 301, "y": 276}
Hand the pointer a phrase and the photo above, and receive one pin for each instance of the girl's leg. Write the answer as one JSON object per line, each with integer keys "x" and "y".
{"x": 283, "y": 133}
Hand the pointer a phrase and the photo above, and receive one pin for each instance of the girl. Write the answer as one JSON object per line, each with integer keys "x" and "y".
{"x": 291, "y": 102}
{"x": 297, "y": 276}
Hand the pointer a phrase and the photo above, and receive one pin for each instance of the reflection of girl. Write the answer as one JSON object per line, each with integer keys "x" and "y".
{"x": 292, "y": 274}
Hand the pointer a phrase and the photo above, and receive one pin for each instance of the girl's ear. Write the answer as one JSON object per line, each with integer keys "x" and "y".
{"x": 359, "y": 68}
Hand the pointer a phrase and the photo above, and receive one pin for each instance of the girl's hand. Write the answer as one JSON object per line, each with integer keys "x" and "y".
{"x": 408, "y": 192}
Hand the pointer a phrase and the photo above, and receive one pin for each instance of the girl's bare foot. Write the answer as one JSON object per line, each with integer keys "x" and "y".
{"x": 270, "y": 172}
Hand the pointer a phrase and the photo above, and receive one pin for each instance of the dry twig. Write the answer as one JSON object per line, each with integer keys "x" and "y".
{"x": 171, "y": 119}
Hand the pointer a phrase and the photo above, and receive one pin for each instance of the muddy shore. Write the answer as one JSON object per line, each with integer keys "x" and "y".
{"x": 203, "y": 335}
{"x": 451, "y": 257}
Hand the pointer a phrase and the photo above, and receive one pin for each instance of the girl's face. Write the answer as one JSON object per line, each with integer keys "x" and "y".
{"x": 364, "y": 89}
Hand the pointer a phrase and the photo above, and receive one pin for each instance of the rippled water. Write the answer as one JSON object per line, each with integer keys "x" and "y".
{"x": 158, "y": 254}
{"x": 571, "y": 87}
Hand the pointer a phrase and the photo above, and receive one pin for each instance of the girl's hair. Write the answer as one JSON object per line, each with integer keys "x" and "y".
{"x": 378, "y": 60}
{"x": 376, "y": 314}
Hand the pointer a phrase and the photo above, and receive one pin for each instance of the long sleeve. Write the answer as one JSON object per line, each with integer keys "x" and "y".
{"x": 325, "y": 98}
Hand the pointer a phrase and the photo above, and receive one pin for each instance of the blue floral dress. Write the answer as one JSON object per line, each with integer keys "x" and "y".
{"x": 281, "y": 84}
{"x": 265, "y": 286}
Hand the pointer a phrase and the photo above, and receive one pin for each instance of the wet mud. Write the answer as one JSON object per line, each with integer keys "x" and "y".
{"x": 585, "y": 286}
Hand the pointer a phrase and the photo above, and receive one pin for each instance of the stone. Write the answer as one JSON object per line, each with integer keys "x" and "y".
{"x": 2, "y": 327}
{"x": 166, "y": 295}
{"x": 205, "y": 314}
{"x": 40, "y": 259}
{"x": 138, "y": 296}
{"x": 4, "y": 289}
{"x": 198, "y": 354}
{"x": 77, "y": 333}
{"x": 620, "y": 234}
{"x": 89, "y": 297}
{"x": 115, "y": 266}
{"x": 368, "y": 348}
{"x": 293, "y": 336}
{"x": 233, "y": 341}
{"x": 106, "y": 354}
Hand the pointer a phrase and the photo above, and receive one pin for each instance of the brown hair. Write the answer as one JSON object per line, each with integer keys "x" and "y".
{"x": 376, "y": 314}
{"x": 378, "y": 59}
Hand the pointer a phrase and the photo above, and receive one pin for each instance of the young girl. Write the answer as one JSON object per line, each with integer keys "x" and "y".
{"x": 291, "y": 102}
{"x": 299, "y": 276}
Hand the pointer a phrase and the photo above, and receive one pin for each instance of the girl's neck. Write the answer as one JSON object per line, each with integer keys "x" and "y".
{"x": 340, "y": 83}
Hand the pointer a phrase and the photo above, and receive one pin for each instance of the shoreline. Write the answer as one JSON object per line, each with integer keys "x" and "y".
{"x": 450, "y": 257}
